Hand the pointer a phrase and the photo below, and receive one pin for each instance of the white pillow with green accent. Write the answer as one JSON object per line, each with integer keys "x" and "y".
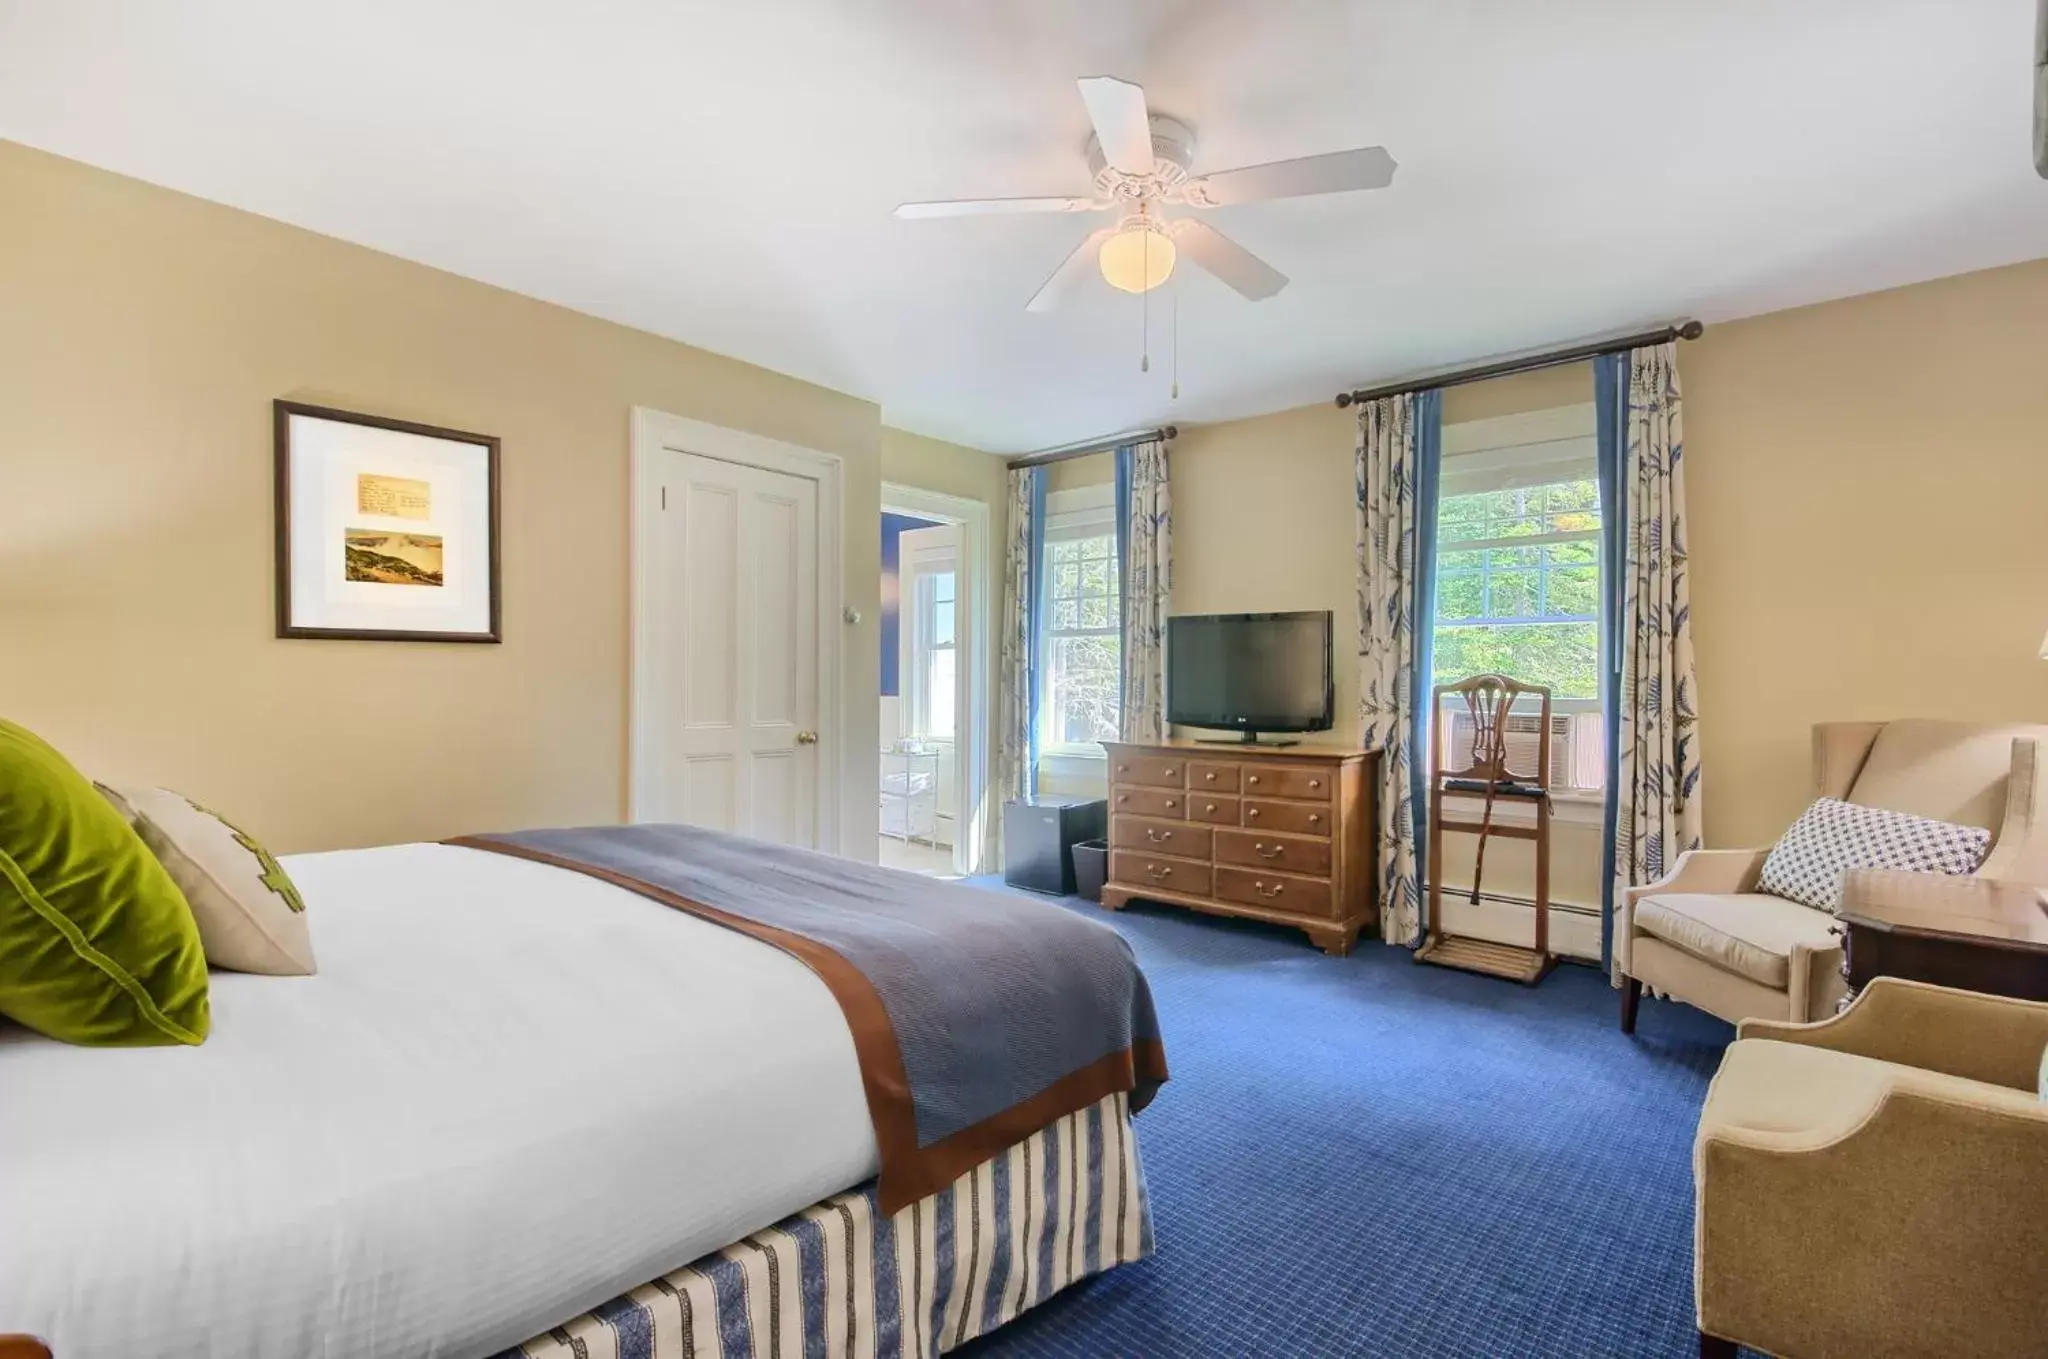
{"x": 251, "y": 918}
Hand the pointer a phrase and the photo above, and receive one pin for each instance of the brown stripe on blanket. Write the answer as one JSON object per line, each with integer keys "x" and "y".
{"x": 909, "y": 1172}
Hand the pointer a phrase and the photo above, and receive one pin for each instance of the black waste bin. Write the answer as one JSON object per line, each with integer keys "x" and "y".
{"x": 1091, "y": 869}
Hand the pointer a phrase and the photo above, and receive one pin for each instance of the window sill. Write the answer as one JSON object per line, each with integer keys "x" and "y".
{"x": 1568, "y": 807}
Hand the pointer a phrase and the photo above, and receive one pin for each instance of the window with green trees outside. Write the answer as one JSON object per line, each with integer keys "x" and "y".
{"x": 1518, "y": 586}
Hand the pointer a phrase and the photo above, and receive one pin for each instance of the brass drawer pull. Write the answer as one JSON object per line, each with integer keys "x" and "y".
{"x": 1253, "y": 780}
{"x": 1315, "y": 819}
{"x": 1157, "y": 836}
{"x": 1210, "y": 776}
{"x": 1172, "y": 773}
{"x": 1252, "y": 814}
{"x": 1156, "y": 873}
{"x": 1171, "y": 804}
{"x": 1315, "y": 783}
{"x": 1208, "y": 806}
{"x": 1273, "y": 853}
{"x": 1123, "y": 769}
{"x": 1275, "y": 890}
{"x": 1122, "y": 798}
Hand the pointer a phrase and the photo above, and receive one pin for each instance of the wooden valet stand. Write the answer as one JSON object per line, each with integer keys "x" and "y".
{"x": 1489, "y": 699}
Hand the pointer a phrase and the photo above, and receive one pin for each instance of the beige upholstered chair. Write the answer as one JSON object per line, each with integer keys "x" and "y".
{"x": 1877, "y": 1184}
{"x": 1703, "y": 934}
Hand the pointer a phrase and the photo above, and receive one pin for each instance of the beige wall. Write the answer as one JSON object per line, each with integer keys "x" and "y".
{"x": 143, "y": 335}
{"x": 1867, "y": 481}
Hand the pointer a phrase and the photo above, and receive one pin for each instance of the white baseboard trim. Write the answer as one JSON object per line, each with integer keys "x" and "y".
{"x": 1504, "y": 919}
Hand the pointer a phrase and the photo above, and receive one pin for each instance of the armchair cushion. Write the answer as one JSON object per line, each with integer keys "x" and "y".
{"x": 1747, "y": 933}
{"x": 1830, "y": 837}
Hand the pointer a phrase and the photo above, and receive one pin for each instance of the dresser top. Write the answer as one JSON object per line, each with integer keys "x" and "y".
{"x": 1240, "y": 750}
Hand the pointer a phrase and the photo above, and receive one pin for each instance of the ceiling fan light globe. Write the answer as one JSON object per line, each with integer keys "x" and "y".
{"x": 1137, "y": 261}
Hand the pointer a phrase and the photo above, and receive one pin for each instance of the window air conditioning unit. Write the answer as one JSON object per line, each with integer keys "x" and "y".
{"x": 1577, "y": 742}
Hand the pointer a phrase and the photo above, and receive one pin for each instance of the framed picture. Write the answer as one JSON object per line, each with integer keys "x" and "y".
{"x": 386, "y": 530}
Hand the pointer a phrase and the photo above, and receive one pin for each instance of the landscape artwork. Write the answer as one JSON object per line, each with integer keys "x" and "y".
{"x": 387, "y": 529}
{"x": 385, "y": 558}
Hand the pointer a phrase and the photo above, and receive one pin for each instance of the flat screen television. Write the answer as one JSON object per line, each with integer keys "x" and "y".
{"x": 1250, "y": 672}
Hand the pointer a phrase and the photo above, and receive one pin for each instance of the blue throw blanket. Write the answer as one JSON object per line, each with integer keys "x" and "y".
{"x": 979, "y": 1017}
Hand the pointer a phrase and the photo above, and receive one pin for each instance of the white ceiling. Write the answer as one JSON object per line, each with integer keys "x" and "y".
{"x": 722, "y": 171}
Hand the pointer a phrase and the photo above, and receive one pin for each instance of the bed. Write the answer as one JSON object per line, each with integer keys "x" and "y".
{"x": 523, "y": 1109}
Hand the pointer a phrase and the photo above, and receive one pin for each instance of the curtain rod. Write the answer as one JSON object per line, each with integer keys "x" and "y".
{"x": 1685, "y": 330}
{"x": 1102, "y": 445}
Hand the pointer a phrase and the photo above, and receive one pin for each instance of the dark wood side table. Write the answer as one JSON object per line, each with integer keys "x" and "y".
{"x": 1977, "y": 934}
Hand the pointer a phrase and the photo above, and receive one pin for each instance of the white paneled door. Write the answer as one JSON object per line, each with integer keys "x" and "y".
{"x": 735, "y": 585}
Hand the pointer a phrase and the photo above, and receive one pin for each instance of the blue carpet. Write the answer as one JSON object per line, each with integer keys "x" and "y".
{"x": 1367, "y": 1156}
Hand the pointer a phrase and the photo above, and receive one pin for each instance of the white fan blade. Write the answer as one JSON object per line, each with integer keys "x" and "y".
{"x": 1122, "y": 125}
{"x": 1369, "y": 167}
{"x": 1226, "y": 259}
{"x": 983, "y": 207}
{"x": 1072, "y": 270}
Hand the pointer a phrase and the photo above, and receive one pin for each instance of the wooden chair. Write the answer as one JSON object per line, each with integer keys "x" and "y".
{"x": 1488, "y": 775}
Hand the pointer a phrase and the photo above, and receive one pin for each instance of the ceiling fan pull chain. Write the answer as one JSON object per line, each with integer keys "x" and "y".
{"x": 1176, "y": 342}
{"x": 1145, "y": 305}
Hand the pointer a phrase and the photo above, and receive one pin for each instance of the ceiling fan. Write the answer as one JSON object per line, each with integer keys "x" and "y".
{"x": 1141, "y": 163}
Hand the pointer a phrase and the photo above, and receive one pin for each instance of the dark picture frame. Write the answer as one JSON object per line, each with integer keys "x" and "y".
{"x": 283, "y": 414}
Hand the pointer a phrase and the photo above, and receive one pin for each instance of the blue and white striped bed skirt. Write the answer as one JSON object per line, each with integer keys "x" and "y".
{"x": 839, "y": 1280}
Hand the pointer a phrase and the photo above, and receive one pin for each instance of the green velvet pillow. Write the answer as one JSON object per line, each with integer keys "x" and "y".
{"x": 97, "y": 945}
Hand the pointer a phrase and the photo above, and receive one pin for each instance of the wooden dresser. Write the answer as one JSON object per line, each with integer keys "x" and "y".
{"x": 1284, "y": 835}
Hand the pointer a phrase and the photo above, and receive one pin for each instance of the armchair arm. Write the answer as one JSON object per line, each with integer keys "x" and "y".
{"x": 1715, "y": 871}
{"x": 1958, "y": 1033}
{"x": 1909, "y": 1225}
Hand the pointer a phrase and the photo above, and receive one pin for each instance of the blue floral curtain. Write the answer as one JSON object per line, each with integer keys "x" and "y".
{"x": 1400, "y": 446}
{"x": 1017, "y": 707}
{"x": 1650, "y": 691}
{"x": 1144, "y": 545}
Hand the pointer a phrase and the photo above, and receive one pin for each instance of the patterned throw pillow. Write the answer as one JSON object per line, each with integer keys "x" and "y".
{"x": 251, "y": 918}
{"x": 1831, "y": 837}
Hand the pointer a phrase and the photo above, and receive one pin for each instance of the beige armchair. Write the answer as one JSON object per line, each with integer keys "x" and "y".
{"x": 1705, "y": 935}
{"x": 1877, "y": 1184}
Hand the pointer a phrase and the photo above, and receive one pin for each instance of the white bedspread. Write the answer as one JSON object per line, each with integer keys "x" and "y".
{"x": 511, "y": 1093}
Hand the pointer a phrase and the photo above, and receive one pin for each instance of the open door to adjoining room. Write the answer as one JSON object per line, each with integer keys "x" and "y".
{"x": 933, "y": 706}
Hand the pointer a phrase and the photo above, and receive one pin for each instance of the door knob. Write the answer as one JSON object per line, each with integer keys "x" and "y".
{"x": 807, "y": 738}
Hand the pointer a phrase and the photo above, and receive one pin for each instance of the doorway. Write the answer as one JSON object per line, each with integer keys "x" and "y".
{"x": 934, "y": 682}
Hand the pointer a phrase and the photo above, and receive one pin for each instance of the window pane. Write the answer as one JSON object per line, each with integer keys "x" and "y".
{"x": 1564, "y": 656}
{"x": 939, "y": 694}
{"x": 1066, "y": 615}
{"x": 1095, "y": 612}
{"x": 1459, "y": 595}
{"x": 1083, "y": 697}
{"x": 1066, "y": 580}
{"x": 939, "y": 620}
{"x": 1511, "y": 594}
{"x": 1574, "y": 591}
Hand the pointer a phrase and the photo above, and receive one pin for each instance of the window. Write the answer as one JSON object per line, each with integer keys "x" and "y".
{"x": 930, "y": 650}
{"x": 1081, "y": 690}
{"x": 1518, "y": 586}
{"x": 1518, "y": 583}
{"x": 936, "y": 651}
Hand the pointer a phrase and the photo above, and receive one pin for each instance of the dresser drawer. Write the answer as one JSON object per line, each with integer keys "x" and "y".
{"x": 1258, "y": 849}
{"x": 1138, "y": 870}
{"x": 1160, "y": 837}
{"x": 1159, "y": 771}
{"x": 1212, "y": 778}
{"x": 1294, "y": 818}
{"x": 1219, "y": 811}
{"x": 1274, "y": 780}
{"x": 1278, "y": 892}
{"x": 1148, "y": 802}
